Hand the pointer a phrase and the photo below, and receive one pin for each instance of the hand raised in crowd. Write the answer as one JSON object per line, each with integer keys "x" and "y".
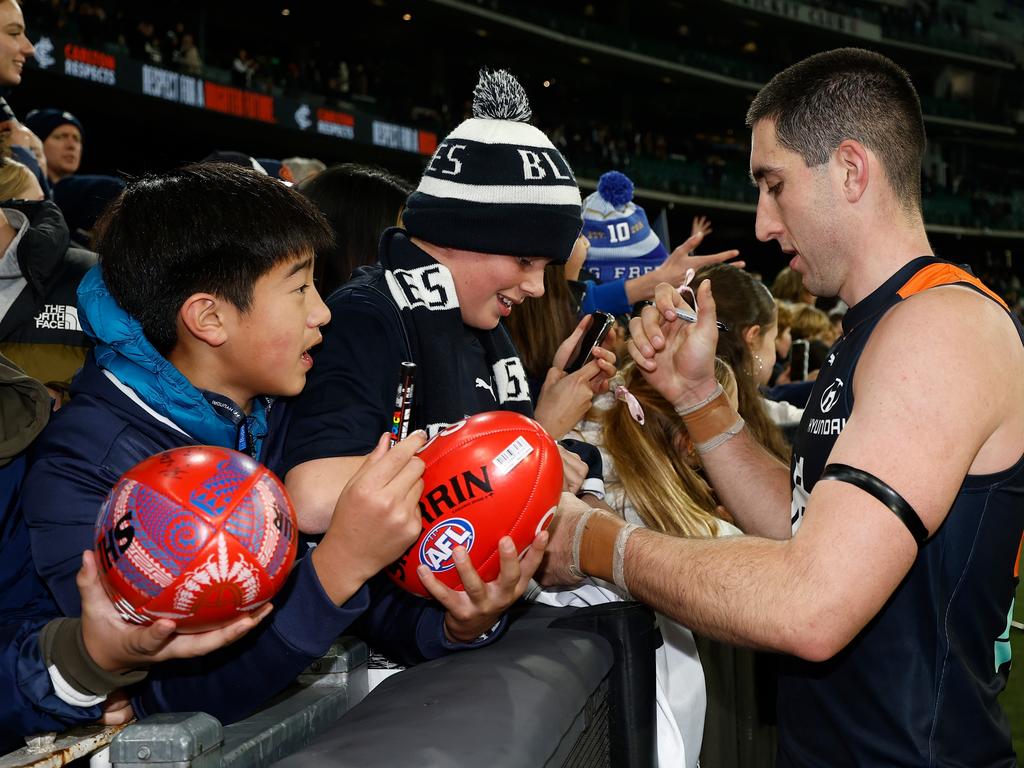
{"x": 673, "y": 269}
{"x": 375, "y": 519}
{"x": 677, "y": 357}
{"x": 475, "y": 609}
{"x": 119, "y": 647}
{"x": 701, "y": 225}
{"x": 566, "y": 397}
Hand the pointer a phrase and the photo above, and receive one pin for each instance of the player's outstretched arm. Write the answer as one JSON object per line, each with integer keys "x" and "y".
{"x": 810, "y": 595}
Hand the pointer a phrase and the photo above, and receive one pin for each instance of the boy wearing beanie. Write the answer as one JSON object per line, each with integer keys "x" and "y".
{"x": 496, "y": 204}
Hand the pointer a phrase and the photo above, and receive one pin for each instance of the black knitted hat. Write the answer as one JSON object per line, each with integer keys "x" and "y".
{"x": 496, "y": 184}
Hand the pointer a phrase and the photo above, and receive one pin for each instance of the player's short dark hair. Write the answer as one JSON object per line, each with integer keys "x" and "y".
{"x": 848, "y": 93}
{"x": 209, "y": 227}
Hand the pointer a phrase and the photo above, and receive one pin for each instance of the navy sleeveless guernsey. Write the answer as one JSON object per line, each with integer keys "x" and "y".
{"x": 918, "y": 685}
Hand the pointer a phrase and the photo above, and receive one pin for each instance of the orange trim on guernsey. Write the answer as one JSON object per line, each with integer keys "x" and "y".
{"x": 945, "y": 274}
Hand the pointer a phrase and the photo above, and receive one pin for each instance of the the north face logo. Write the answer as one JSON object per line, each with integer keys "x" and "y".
{"x": 58, "y": 317}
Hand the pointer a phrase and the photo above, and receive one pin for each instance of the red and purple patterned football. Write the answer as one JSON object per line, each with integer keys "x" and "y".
{"x": 198, "y": 534}
{"x": 491, "y": 475}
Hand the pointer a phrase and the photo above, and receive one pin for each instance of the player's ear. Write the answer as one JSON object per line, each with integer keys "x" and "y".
{"x": 854, "y": 165}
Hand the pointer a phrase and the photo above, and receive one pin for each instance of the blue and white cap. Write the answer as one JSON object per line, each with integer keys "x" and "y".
{"x": 497, "y": 184}
{"x": 622, "y": 244}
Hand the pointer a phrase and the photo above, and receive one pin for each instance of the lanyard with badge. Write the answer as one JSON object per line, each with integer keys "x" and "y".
{"x": 227, "y": 408}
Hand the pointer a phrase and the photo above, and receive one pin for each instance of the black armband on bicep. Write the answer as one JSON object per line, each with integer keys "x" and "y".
{"x": 881, "y": 491}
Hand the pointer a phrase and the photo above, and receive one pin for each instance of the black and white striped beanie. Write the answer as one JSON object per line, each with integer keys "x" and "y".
{"x": 496, "y": 184}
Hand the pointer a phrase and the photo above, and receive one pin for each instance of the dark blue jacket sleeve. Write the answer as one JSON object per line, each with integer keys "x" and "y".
{"x": 60, "y": 500}
{"x": 235, "y": 681}
{"x": 28, "y": 704}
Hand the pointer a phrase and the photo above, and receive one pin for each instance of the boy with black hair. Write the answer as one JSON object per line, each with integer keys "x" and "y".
{"x": 203, "y": 311}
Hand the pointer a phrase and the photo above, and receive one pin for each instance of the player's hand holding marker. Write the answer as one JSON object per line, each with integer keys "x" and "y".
{"x": 677, "y": 357}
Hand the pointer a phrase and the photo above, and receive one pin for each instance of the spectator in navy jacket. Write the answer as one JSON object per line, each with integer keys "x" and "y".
{"x": 54, "y": 672}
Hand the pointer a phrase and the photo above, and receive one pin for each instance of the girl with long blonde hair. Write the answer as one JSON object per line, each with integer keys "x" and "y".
{"x": 654, "y": 471}
{"x": 744, "y": 304}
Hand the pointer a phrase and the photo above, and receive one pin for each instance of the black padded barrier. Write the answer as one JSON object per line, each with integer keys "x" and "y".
{"x": 563, "y": 688}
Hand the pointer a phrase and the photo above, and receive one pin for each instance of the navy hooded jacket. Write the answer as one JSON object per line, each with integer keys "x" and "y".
{"x": 129, "y": 403}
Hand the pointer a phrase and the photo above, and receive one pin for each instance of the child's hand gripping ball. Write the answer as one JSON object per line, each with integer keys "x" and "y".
{"x": 491, "y": 475}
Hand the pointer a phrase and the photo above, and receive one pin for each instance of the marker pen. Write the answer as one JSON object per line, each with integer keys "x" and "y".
{"x": 402, "y": 417}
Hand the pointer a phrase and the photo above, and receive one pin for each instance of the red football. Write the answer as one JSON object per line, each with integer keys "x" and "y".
{"x": 197, "y": 534}
{"x": 491, "y": 475}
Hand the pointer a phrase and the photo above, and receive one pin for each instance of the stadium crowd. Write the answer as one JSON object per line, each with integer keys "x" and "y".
{"x": 961, "y": 187}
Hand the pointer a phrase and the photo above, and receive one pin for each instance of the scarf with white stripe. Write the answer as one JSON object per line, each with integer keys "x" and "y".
{"x": 424, "y": 292}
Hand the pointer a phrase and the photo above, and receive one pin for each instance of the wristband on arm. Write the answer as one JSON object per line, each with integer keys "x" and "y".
{"x": 599, "y": 547}
{"x": 78, "y": 677}
{"x": 711, "y": 422}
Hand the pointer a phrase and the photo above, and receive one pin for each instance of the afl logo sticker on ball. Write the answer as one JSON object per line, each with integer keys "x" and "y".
{"x": 437, "y": 546}
{"x": 492, "y": 475}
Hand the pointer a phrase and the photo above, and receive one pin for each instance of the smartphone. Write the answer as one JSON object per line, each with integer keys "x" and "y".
{"x": 799, "y": 356}
{"x": 600, "y": 324}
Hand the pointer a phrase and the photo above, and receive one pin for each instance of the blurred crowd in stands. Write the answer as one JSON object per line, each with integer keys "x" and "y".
{"x": 710, "y": 164}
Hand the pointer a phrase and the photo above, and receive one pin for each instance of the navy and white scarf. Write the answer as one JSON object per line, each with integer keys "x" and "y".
{"x": 424, "y": 293}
